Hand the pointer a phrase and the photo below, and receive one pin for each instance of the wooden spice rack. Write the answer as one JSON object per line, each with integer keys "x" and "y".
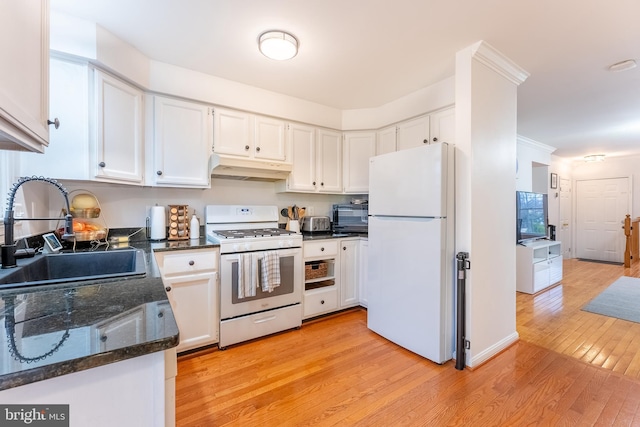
{"x": 178, "y": 222}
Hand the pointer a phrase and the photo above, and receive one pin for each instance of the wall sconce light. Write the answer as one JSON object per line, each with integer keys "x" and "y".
{"x": 594, "y": 158}
{"x": 278, "y": 45}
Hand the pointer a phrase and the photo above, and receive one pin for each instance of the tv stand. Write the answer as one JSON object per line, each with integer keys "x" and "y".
{"x": 538, "y": 265}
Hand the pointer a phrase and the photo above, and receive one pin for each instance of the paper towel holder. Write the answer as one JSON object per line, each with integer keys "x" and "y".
{"x": 156, "y": 223}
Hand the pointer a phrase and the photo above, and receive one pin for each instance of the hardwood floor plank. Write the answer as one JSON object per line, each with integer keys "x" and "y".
{"x": 570, "y": 368}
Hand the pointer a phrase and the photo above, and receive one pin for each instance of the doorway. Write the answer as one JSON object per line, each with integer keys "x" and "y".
{"x": 564, "y": 230}
{"x": 601, "y": 206}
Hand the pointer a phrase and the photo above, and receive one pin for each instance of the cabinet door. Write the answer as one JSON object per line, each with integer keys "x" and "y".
{"x": 443, "y": 126}
{"x": 24, "y": 75}
{"x": 182, "y": 140}
{"x": 194, "y": 302}
{"x": 540, "y": 275}
{"x": 231, "y": 133}
{"x": 386, "y": 140}
{"x": 329, "y": 161}
{"x": 349, "y": 272}
{"x": 269, "y": 139}
{"x": 555, "y": 269}
{"x": 302, "y": 145}
{"x": 125, "y": 330}
{"x": 118, "y": 130}
{"x": 364, "y": 273}
{"x": 357, "y": 149}
{"x": 68, "y": 155}
{"x": 413, "y": 133}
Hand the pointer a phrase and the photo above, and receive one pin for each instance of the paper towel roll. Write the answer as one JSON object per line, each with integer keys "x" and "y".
{"x": 158, "y": 223}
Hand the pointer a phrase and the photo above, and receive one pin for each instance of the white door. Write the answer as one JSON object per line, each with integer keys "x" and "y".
{"x": 563, "y": 229}
{"x": 601, "y": 206}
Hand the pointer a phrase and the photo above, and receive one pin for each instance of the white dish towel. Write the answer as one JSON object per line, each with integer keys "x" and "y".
{"x": 270, "y": 271}
{"x": 247, "y": 277}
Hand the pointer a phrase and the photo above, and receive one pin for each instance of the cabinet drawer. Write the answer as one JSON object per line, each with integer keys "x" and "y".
{"x": 319, "y": 302}
{"x": 187, "y": 262}
{"x": 320, "y": 249}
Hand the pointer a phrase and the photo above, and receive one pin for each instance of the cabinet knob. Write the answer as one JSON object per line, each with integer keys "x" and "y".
{"x": 344, "y": 248}
{"x": 321, "y": 249}
{"x": 159, "y": 173}
{"x": 103, "y": 338}
{"x": 102, "y": 164}
{"x": 314, "y": 183}
{"x": 192, "y": 262}
{"x": 321, "y": 301}
{"x": 322, "y": 184}
{"x": 161, "y": 314}
{"x": 168, "y": 289}
{"x": 55, "y": 123}
{"x": 246, "y": 147}
{"x": 435, "y": 139}
{"x": 258, "y": 149}
{"x": 426, "y": 141}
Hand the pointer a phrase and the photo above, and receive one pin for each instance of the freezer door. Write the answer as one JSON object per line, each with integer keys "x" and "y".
{"x": 409, "y": 182}
{"x": 409, "y": 297}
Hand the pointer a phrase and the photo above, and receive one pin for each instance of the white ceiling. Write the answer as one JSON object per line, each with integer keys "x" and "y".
{"x": 364, "y": 53}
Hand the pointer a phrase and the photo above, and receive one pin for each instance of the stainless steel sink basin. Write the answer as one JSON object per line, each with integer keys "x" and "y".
{"x": 77, "y": 266}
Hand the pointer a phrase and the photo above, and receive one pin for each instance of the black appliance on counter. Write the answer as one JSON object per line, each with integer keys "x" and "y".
{"x": 351, "y": 218}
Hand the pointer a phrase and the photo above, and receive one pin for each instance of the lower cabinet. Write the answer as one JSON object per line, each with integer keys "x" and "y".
{"x": 191, "y": 280}
{"x": 333, "y": 275}
{"x": 538, "y": 265}
{"x": 364, "y": 272}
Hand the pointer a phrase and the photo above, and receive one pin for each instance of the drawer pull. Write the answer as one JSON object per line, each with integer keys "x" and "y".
{"x": 321, "y": 301}
{"x": 103, "y": 338}
{"x": 168, "y": 289}
{"x": 266, "y": 319}
{"x": 321, "y": 249}
{"x": 192, "y": 262}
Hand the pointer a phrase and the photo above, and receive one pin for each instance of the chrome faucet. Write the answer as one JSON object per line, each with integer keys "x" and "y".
{"x": 8, "y": 250}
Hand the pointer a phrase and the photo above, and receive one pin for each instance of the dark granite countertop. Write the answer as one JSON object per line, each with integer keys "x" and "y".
{"x": 52, "y": 330}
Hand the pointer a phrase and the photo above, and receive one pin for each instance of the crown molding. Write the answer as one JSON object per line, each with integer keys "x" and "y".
{"x": 486, "y": 54}
{"x": 535, "y": 144}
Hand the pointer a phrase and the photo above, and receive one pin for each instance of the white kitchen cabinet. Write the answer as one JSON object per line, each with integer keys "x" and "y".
{"x": 191, "y": 280}
{"x": 349, "y": 272}
{"x": 316, "y": 156}
{"x": 386, "y": 140}
{"x": 322, "y": 278}
{"x": 24, "y": 75}
{"x": 538, "y": 265}
{"x": 117, "y": 130}
{"x": 179, "y": 143}
{"x": 443, "y": 126}
{"x": 357, "y": 149}
{"x": 68, "y": 154}
{"x": 364, "y": 272}
{"x": 250, "y": 136}
{"x": 413, "y": 133}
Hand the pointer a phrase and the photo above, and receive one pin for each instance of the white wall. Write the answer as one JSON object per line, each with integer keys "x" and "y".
{"x": 532, "y": 156}
{"x": 486, "y": 91}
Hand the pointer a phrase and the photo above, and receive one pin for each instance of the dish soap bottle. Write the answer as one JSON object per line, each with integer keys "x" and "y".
{"x": 194, "y": 227}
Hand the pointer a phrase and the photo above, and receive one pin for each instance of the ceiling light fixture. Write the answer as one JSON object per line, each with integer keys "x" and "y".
{"x": 623, "y": 65}
{"x": 278, "y": 45}
{"x": 594, "y": 158}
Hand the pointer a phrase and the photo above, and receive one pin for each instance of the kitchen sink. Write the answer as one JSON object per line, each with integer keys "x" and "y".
{"x": 76, "y": 266}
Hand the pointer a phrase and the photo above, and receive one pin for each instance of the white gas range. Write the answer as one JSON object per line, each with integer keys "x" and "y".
{"x": 250, "y": 241}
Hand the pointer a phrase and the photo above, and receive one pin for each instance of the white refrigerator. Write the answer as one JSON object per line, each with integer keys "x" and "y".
{"x": 411, "y": 250}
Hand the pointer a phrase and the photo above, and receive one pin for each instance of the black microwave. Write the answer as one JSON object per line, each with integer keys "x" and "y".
{"x": 351, "y": 218}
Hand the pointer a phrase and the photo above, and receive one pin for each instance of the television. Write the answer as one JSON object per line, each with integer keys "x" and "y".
{"x": 531, "y": 216}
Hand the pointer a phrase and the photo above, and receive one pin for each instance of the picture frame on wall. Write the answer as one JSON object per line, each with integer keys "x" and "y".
{"x": 554, "y": 180}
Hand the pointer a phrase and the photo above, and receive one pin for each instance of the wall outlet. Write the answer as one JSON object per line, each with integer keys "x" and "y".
{"x": 309, "y": 211}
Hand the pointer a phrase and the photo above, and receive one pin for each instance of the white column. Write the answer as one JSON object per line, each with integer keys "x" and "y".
{"x": 486, "y": 93}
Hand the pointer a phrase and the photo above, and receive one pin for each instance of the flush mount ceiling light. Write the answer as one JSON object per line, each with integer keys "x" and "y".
{"x": 594, "y": 158}
{"x": 278, "y": 45}
{"x": 623, "y": 65}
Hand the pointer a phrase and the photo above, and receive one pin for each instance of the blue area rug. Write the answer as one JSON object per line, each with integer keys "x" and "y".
{"x": 620, "y": 300}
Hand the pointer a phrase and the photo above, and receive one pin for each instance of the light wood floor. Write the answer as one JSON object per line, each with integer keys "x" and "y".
{"x": 569, "y": 368}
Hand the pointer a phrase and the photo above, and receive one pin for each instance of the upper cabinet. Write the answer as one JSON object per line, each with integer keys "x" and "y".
{"x": 357, "y": 149}
{"x": 443, "y": 126}
{"x": 386, "y": 140}
{"x": 316, "y": 156}
{"x": 24, "y": 75}
{"x": 250, "y": 136}
{"x": 179, "y": 141}
{"x": 413, "y": 133}
{"x": 118, "y": 130}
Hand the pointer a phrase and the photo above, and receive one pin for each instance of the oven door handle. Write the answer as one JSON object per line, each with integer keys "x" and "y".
{"x": 265, "y": 319}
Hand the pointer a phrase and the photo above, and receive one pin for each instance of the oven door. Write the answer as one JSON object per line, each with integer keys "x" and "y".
{"x": 289, "y": 292}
